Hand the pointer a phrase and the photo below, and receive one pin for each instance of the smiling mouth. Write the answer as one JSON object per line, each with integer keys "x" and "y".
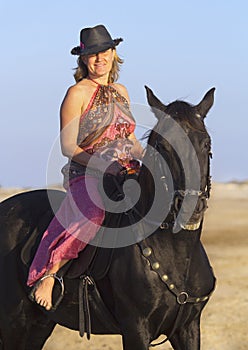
{"x": 100, "y": 65}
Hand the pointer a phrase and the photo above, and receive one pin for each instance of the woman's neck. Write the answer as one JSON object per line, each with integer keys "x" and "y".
{"x": 99, "y": 80}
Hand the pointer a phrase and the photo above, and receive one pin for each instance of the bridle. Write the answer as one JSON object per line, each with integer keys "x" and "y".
{"x": 179, "y": 194}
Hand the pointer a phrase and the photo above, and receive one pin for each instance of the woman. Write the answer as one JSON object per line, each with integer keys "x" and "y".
{"x": 97, "y": 136}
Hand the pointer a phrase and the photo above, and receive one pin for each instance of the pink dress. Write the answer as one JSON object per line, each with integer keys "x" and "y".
{"x": 103, "y": 131}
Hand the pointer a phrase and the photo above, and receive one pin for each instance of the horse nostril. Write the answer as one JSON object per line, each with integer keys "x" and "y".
{"x": 177, "y": 203}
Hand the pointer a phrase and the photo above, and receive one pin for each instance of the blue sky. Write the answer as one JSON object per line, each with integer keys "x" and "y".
{"x": 178, "y": 48}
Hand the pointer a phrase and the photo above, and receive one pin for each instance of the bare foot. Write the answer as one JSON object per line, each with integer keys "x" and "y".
{"x": 43, "y": 293}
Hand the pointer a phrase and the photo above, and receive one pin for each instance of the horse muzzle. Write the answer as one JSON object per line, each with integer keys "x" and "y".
{"x": 189, "y": 210}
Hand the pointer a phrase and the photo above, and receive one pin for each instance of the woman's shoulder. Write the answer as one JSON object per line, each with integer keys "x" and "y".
{"x": 79, "y": 87}
{"x": 80, "y": 90}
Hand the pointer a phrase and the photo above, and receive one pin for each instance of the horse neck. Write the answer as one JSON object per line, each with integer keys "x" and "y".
{"x": 180, "y": 242}
{"x": 176, "y": 254}
{"x": 154, "y": 196}
{"x": 152, "y": 193}
{"x": 147, "y": 190}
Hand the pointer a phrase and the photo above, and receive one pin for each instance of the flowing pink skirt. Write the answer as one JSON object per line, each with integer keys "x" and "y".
{"x": 75, "y": 224}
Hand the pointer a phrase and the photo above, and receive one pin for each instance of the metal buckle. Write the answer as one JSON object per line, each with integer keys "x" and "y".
{"x": 182, "y": 298}
{"x": 164, "y": 225}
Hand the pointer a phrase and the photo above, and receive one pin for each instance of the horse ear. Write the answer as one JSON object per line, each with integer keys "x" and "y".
{"x": 206, "y": 103}
{"x": 155, "y": 103}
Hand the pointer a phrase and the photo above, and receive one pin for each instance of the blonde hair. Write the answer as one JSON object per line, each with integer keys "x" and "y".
{"x": 81, "y": 71}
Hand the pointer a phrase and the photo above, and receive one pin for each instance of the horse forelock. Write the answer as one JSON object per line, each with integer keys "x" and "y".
{"x": 193, "y": 125}
{"x": 184, "y": 113}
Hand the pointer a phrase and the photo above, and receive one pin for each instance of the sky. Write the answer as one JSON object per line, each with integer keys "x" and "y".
{"x": 180, "y": 49}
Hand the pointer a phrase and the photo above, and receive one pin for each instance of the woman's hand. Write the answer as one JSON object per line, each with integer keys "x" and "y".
{"x": 137, "y": 150}
{"x": 114, "y": 169}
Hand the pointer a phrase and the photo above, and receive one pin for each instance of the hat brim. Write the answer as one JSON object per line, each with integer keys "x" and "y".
{"x": 95, "y": 48}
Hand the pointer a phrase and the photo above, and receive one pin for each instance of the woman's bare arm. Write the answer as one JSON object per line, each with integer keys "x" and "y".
{"x": 71, "y": 110}
{"x": 137, "y": 150}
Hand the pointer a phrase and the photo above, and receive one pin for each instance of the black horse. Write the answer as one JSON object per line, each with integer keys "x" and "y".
{"x": 157, "y": 285}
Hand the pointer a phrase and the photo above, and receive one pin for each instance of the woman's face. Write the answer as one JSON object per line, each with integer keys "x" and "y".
{"x": 99, "y": 64}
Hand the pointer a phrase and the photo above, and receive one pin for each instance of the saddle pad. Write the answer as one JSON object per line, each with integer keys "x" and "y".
{"x": 92, "y": 260}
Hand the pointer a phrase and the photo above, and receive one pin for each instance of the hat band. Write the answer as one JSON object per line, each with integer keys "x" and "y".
{"x": 110, "y": 43}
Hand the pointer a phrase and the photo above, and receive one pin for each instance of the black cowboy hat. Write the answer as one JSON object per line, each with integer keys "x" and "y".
{"x": 94, "y": 40}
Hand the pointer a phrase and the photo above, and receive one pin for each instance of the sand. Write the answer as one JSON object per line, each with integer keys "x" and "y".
{"x": 225, "y": 237}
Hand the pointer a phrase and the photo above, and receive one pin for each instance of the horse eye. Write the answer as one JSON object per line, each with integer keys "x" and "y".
{"x": 207, "y": 145}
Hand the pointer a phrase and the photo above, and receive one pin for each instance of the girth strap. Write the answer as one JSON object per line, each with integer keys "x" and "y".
{"x": 84, "y": 310}
{"x": 88, "y": 293}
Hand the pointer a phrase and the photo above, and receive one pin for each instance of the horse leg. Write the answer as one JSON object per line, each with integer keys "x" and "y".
{"x": 28, "y": 337}
{"x": 13, "y": 339}
{"x": 1, "y": 342}
{"x": 135, "y": 335}
{"x": 38, "y": 334}
{"x": 187, "y": 337}
{"x": 134, "y": 341}
{"x": 23, "y": 326}
{"x": 13, "y": 327}
{"x": 23, "y": 339}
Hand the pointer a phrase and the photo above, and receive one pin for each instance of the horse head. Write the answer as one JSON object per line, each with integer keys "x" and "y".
{"x": 181, "y": 139}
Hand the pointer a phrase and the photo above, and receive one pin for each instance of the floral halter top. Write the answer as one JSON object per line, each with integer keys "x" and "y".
{"x": 106, "y": 124}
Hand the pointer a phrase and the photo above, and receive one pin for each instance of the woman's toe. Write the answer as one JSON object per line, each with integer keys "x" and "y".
{"x": 38, "y": 300}
{"x": 48, "y": 306}
{"x": 43, "y": 302}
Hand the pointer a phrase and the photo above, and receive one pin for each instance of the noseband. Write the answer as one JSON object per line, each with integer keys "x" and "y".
{"x": 180, "y": 194}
